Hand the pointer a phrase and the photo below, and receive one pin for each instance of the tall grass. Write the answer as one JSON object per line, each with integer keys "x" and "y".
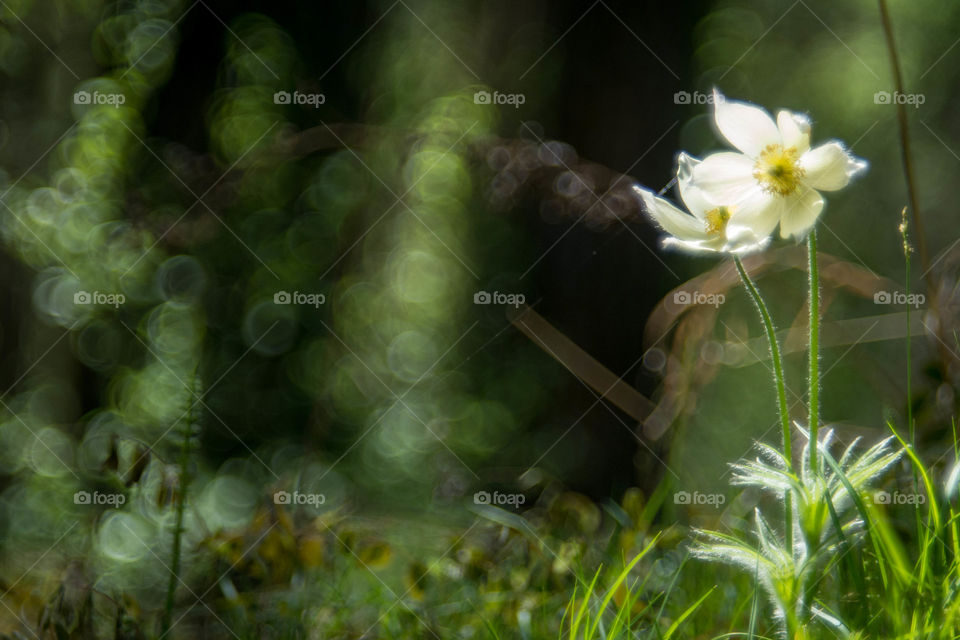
{"x": 591, "y": 615}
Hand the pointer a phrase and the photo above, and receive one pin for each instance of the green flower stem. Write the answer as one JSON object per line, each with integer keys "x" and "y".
{"x": 774, "y": 355}
{"x": 781, "y": 389}
{"x": 814, "y": 380}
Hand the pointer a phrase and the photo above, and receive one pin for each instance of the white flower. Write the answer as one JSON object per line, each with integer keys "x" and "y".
{"x": 710, "y": 225}
{"x": 776, "y": 172}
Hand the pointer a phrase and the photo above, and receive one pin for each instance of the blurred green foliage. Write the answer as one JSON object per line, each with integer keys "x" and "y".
{"x": 140, "y": 261}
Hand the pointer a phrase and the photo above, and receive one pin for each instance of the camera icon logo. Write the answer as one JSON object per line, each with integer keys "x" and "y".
{"x": 81, "y": 97}
{"x": 682, "y": 97}
{"x": 282, "y": 297}
{"x": 882, "y": 97}
{"x": 681, "y": 497}
{"x": 281, "y": 497}
{"x": 481, "y": 497}
{"x": 882, "y": 297}
{"x": 81, "y": 497}
{"x": 482, "y": 97}
{"x": 482, "y": 297}
{"x": 81, "y": 297}
{"x": 281, "y": 97}
{"x": 682, "y": 297}
{"x": 881, "y": 497}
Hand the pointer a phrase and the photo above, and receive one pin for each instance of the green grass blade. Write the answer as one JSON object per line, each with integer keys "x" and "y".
{"x": 582, "y": 614}
{"x": 686, "y": 614}
{"x": 616, "y": 585}
{"x": 755, "y": 606}
{"x": 927, "y": 483}
{"x": 885, "y": 542}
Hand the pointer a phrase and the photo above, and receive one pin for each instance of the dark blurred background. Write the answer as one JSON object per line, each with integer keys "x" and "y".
{"x": 399, "y": 198}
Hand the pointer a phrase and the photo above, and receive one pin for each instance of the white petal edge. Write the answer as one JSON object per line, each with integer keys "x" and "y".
{"x": 693, "y": 197}
{"x": 677, "y": 223}
{"x": 794, "y": 130}
{"x": 830, "y": 166}
{"x": 712, "y": 245}
{"x": 747, "y": 127}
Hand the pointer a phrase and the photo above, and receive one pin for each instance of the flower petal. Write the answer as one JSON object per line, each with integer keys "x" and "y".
{"x": 696, "y": 246}
{"x": 742, "y": 240}
{"x": 830, "y": 166}
{"x": 671, "y": 219}
{"x": 745, "y": 126}
{"x": 759, "y": 211}
{"x": 800, "y": 213}
{"x": 693, "y": 197}
{"x": 724, "y": 178}
{"x": 794, "y": 130}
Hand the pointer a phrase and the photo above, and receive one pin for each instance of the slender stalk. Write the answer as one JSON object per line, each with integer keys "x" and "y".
{"x": 906, "y": 258}
{"x": 774, "y": 355}
{"x": 181, "y": 499}
{"x": 814, "y": 345}
{"x": 781, "y": 389}
{"x": 905, "y": 144}
{"x": 910, "y": 426}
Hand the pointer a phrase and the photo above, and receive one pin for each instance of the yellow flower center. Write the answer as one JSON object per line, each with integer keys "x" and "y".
{"x": 716, "y": 220}
{"x": 777, "y": 170}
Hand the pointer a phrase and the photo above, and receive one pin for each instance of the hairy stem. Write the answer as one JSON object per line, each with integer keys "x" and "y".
{"x": 774, "y": 355}
{"x": 814, "y": 345}
{"x": 781, "y": 388}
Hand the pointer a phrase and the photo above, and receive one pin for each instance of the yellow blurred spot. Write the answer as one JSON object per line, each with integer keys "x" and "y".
{"x": 311, "y": 551}
{"x": 375, "y": 555}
